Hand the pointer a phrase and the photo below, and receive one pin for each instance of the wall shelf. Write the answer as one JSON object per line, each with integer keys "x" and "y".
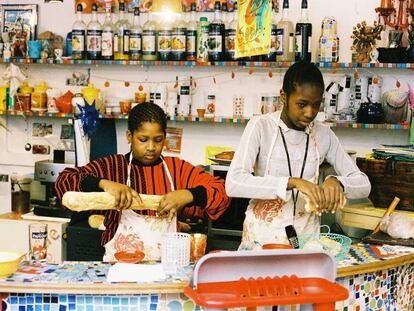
{"x": 216, "y": 119}
{"x": 203, "y": 64}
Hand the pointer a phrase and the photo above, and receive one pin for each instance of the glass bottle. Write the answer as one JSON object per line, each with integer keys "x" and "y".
{"x": 202, "y": 39}
{"x": 108, "y": 35}
{"x": 178, "y": 40}
{"x": 216, "y": 36}
{"x": 231, "y": 35}
{"x": 135, "y": 38}
{"x": 149, "y": 39}
{"x": 78, "y": 35}
{"x": 271, "y": 57}
{"x": 94, "y": 35}
{"x": 164, "y": 40}
{"x": 121, "y": 39}
{"x": 191, "y": 35}
{"x": 285, "y": 35}
{"x": 303, "y": 35}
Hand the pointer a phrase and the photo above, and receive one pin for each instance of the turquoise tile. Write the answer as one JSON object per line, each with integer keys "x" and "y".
{"x": 63, "y": 298}
{"x": 115, "y": 301}
{"x": 46, "y": 307}
{"x": 124, "y": 301}
{"x": 144, "y": 298}
{"x": 89, "y": 308}
{"x": 38, "y": 307}
{"x": 89, "y": 300}
{"x": 80, "y": 299}
{"x": 107, "y": 300}
{"x": 98, "y": 300}
{"x": 133, "y": 301}
{"x": 80, "y": 308}
{"x": 117, "y": 309}
{"x": 124, "y": 308}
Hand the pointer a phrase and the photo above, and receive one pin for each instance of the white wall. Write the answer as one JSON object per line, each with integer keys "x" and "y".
{"x": 59, "y": 17}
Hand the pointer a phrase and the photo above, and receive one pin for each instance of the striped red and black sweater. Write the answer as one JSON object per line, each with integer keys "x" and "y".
{"x": 210, "y": 197}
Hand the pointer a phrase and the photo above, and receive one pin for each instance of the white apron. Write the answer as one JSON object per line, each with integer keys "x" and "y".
{"x": 266, "y": 220}
{"x": 137, "y": 232}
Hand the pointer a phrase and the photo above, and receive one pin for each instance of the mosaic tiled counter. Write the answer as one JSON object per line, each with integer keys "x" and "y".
{"x": 378, "y": 278}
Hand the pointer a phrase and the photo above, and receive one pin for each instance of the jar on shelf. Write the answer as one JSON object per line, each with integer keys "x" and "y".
{"x": 39, "y": 98}
{"x": 269, "y": 103}
{"x": 210, "y": 105}
{"x": 22, "y": 100}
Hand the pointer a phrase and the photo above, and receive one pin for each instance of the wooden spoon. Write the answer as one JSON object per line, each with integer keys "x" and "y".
{"x": 389, "y": 210}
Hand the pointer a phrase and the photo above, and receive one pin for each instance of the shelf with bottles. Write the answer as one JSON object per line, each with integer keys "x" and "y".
{"x": 254, "y": 64}
{"x": 215, "y": 119}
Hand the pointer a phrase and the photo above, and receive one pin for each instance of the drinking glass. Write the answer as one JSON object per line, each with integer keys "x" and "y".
{"x": 38, "y": 240}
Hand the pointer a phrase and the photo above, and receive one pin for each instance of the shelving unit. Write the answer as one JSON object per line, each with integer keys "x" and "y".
{"x": 202, "y": 64}
{"x": 216, "y": 119}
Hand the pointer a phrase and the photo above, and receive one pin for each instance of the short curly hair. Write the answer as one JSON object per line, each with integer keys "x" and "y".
{"x": 146, "y": 112}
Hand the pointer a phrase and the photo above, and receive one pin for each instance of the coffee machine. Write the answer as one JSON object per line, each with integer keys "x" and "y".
{"x": 46, "y": 172}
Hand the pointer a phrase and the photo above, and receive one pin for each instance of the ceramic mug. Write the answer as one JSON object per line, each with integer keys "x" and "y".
{"x": 35, "y": 46}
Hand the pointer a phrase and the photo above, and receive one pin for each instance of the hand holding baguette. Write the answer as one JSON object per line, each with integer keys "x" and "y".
{"x": 85, "y": 201}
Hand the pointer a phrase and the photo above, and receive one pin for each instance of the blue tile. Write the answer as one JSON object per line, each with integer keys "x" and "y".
{"x": 80, "y": 299}
{"x": 71, "y": 298}
{"x": 115, "y": 301}
{"x": 88, "y": 299}
{"x": 124, "y": 301}
{"x": 13, "y": 300}
{"x": 154, "y": 298}
{"x": 46, "y": 307}
{"x": 38, "y": 299}
{"x": 38, "y": 307}
{"x": 30, "y": 308}
{"x": 30, "y": 300}
{"x": 63, "y": 298}
{"x": 107, "y": 300}
{"x": 22, "y": 308}
{"x": 62, "y": 308}
{"x": 153, "y": 307}
{"x": 72, "y": 306}
{"x": 22, "y": 301}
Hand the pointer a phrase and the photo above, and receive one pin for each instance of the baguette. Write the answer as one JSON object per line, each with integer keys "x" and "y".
{"x": 85, "y": 201}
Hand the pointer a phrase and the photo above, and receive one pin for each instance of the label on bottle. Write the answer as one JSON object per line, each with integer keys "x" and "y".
{"x": 303, "y": 46}
{"x": 279, "y": 41}
{"x": 215, "y": 41}
{"x": 291, "y": 43}
{"x": 191, "y": 44}
{"x": 107, "y": 47}
{"x": 135, "y": 43}
{"x": 125, "y": 35}
{"x": 271, "y": 56}
{"x": 164, "y": 44}
{"x": 178, "y": 43}
{"x": 148, "y": 42}
{"x": 230, "y": 42}
{"x": 78, "y": 41}
{"x": 116, "y": 43}
{"x": 93, "y": 40}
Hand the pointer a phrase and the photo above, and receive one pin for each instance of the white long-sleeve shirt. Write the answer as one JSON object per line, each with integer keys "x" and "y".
{"x": 254, "y": 148}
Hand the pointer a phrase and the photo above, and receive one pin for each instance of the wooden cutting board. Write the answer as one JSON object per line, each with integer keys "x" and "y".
{"x": 383, "y": 238}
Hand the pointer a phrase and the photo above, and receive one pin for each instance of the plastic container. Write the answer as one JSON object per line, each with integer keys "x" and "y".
{"x": 39, "y": 98}
{"x": 175, "y": 251}
{"x": 21, "y": 194}
{"x": 9, "y": 263}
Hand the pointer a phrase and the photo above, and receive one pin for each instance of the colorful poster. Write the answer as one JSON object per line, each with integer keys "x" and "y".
{"x": 253, "y": 28}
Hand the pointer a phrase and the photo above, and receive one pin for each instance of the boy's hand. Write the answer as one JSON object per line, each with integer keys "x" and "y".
{"x": 173, "y": 202}
{"x": 122, "y": 193}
